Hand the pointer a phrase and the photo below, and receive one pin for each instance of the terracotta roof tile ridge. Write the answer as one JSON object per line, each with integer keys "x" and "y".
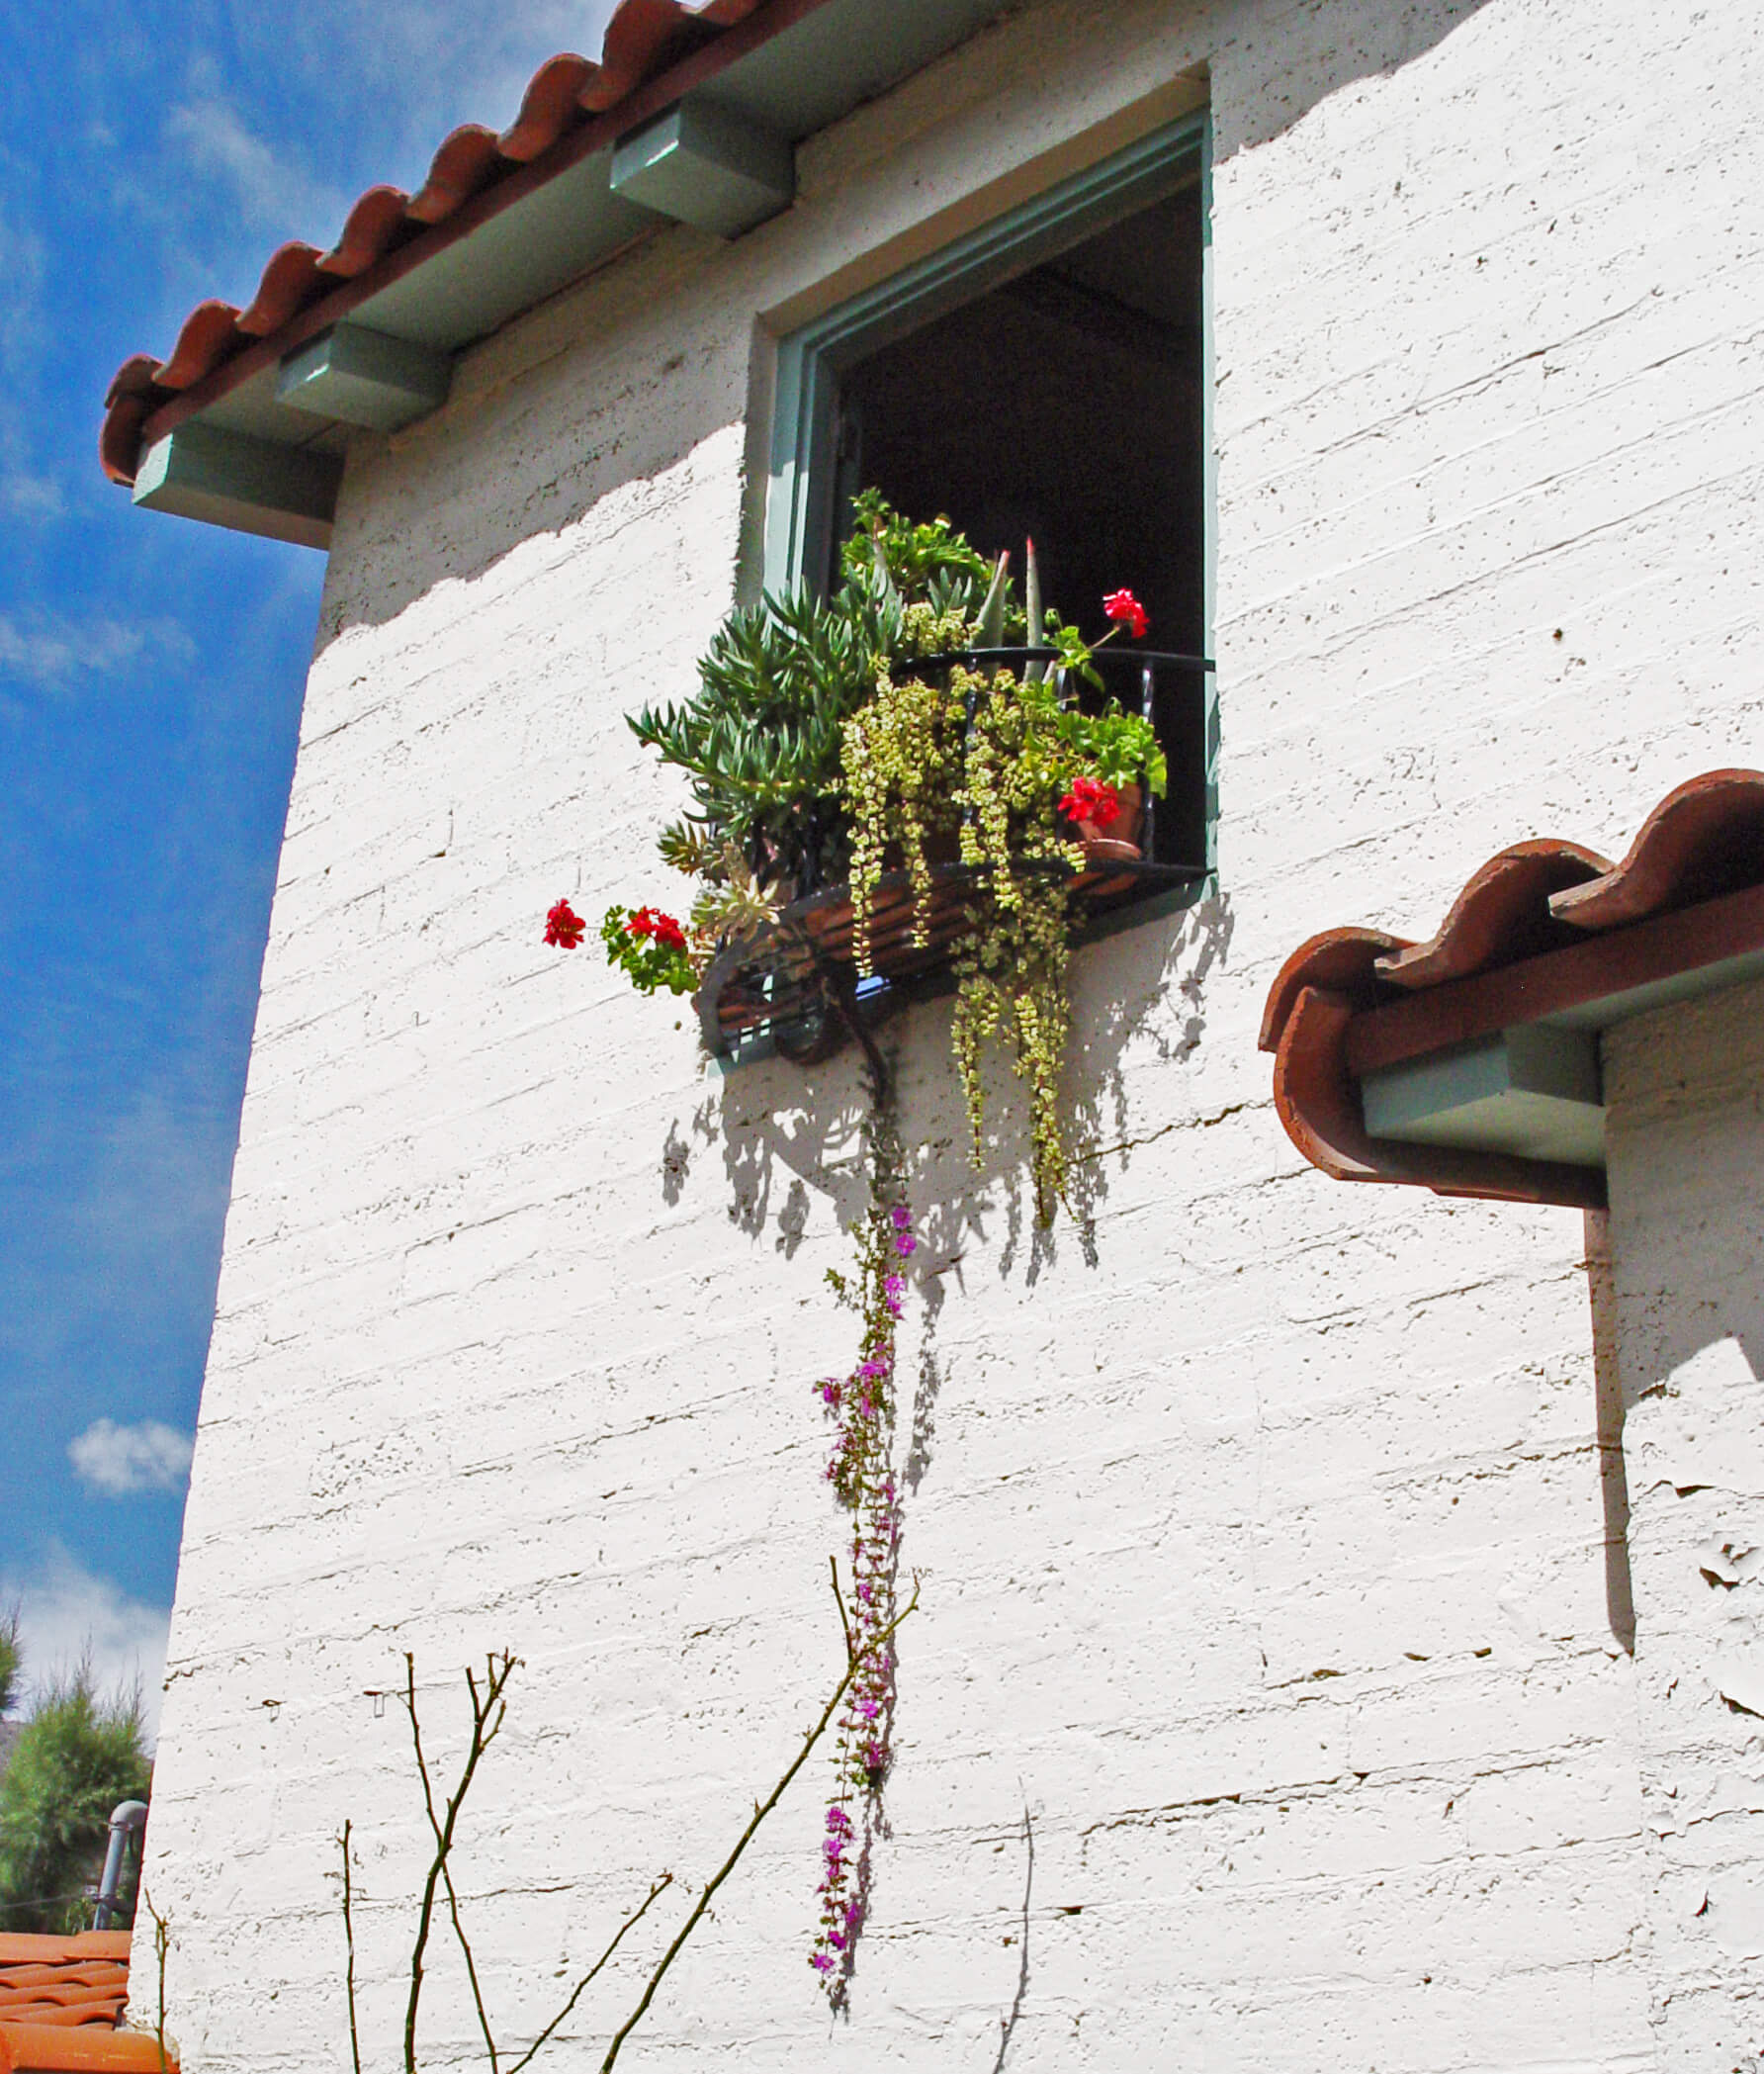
{"x": 42, "y": 2048}
{"x": 1703, "y": 842}
{"x": 1704, "y": 839}
{"x": 38, "y": 1948}
{"x": 1503, "y": 910}
{"x": 642, "y": 40}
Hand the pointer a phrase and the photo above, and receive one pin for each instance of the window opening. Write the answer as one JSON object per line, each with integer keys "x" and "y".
{"x": 1047, "y": 373}
{"x": 1066, "y": 404}
{"x": 1047, "y": 376}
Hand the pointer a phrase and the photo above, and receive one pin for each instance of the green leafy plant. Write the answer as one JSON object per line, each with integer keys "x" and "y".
{"x": 988, "y": 766}
{"x": 761, "y": 742}
{"x": 1120, "y": 748}
{"x": 760, "y": 739}
{"x": 79, "y": 1754}
{"x": 650, "y": 948}
{"x": 10, "y": 1660}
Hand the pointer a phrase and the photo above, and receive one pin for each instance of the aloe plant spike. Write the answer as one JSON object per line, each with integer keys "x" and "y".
{"x": 1031, "y": 605}
{"x": 991, "y": 613}
{"x": 883, "y": 572}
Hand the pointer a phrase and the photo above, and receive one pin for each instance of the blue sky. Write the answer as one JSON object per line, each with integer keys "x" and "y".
{"x": 150, "y": 678}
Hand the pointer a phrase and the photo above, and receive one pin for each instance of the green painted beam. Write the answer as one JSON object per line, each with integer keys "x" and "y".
{"x": 283, "y": 493}
{"x": 706, "y": 166}
{"x": 363, "y": 377}
{"x": 1533, "y": 1092}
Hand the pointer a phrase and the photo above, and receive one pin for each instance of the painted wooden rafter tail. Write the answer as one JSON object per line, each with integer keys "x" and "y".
{"x": 643, "y": 40}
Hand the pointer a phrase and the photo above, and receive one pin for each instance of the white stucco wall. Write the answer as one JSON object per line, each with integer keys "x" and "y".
{"x": 1686, "y": 1093}
{"x": 1262, "y": 1551}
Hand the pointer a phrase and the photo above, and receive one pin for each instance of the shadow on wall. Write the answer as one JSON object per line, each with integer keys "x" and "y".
{"x": 617, "y": 380}
{"x": 580, "y": 411}
{"x": 1614, "y": 1479}
{"x": 789, "y": 1134}
{"x": 1314, "y": 51}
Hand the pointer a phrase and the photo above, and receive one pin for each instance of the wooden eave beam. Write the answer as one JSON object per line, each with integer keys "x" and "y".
{"x": 1617, "y": 962}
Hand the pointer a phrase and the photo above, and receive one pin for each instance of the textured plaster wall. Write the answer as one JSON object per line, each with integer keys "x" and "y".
{"x": 1685, "y": 1090}
{"x": 1259, "y": 1530}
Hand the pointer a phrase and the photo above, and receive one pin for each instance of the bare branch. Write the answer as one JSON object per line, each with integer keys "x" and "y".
{"x": 161, "y": 1946}
{"x": 659, "y": 1887}
{"x": 485, "y": 1730}
{"x": 854, "y": 1662}
{"x": 349, "y": 1937}
{"x": 839, "y": 1600}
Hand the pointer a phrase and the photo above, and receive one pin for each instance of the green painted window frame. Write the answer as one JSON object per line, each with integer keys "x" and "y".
{"x": 810, "y": 360}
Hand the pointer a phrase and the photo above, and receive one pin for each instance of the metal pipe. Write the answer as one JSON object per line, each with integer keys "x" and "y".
{"x": 129, "y": 1818}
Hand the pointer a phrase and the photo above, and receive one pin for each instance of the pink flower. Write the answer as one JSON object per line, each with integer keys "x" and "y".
{"x": 1125, "y": 607}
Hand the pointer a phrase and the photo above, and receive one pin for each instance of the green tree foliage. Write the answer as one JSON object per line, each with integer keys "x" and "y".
{"x": 9, "y": 1660}
{"x": 79, "y": 1753}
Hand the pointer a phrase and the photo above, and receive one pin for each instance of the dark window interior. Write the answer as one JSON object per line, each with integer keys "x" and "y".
{"x": 1067, "y": 406}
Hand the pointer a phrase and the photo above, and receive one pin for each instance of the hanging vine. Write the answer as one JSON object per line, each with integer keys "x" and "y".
{"x": 860, "y": 1469}
{"x": 868, "y": 734}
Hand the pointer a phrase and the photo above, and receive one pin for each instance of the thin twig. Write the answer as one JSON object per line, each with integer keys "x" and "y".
{"x": 496, "y": 1675}
{"x": 161, "y": 1944}
{"x": 349, "y": 1937}
{"x": 839, "y": 1600}
{"x": 482, "y": 1742}
{"x": 854, "y": 1662}
{"x": 661, "y": 1886}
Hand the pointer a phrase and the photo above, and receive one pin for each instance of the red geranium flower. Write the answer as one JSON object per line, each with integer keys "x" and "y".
{"x": 564, "y": 927}
{"x": 651, "y": 922}
{"x": 1092, "y": 800}
{"x": 1125, "y": 607}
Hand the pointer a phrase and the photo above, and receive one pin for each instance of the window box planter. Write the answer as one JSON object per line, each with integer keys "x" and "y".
{"x": 795, "y": 985}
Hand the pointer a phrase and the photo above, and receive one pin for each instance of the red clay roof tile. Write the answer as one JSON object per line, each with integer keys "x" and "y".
{"x": 43, "y": 2048}
{"x": 61, "y": 2002}
{"x": 643, "y": 39}
{"x": 65, "y": 1981}
{"x": 465, "y": 162}
{"x": 549, "y": 104}
{"x": 1691, "y": 886}
{"x": 288, "y": 283}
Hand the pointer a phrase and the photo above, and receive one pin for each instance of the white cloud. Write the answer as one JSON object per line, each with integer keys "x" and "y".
{"x": 272, "y": 194}
{"x": 68, "y": 1613}
{"x": 47, "y": 648}
{"x": 150, "y": 1456}
{"x": 27, "y": 495}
